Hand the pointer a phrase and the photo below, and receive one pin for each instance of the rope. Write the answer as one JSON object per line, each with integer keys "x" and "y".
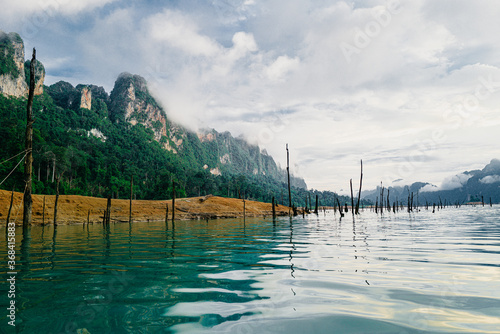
{"x": 12, "y": 171}
{"x": 1, "y": 163}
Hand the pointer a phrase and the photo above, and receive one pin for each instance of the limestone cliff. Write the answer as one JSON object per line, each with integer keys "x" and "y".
{"x": 86, "y": 98}
{"x": 14, "y": 71}
{"x": 12, "y": 82}
{"x": 131, "y": 102}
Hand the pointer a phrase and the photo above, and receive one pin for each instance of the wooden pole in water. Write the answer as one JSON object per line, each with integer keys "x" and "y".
{"x": 10, "y": 207}
{"x": 288, "y": 173}
{"x": 360, "y": 184}
{"x": 131, "y": 195}
{"x": 43, "y": 212}
{"x": 274, "y": 209}
{"x": 388, "y": 201}
{"x": 352, "y": 199}
{"x": 173, "y": 201}
{"x": 108, "y": 210}
{"x": 317, "y": 204}
{"x": 244, "y": 209}
{"x": 482, "y": 200}
{"x": 88, "y": 217}
{"x": 28, "y": 162}
{"x": 58, "y": 179}
{"x": 491, "y": 204}
{"x": 166, "y": 213}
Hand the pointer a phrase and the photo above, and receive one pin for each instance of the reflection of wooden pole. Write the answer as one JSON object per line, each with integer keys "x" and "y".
{"x": 173, "y": 201}
{"x": 10, "y": 207}
{"x": 288, "y": 173}
{"x": 28, "y": 163}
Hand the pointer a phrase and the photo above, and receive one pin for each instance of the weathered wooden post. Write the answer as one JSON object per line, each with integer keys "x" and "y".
{"x": 274, "y": 209}
{"x": 43, "y": 212}
{"x": 10, "y": 209}
{"x": 166, "y": 214}
{"x": 108, "y": 210}
{"x": 288, "y": 173}
{"x": 360, "y": 184}
{"x": 28, "y": 162}
{"x": 58, "y": 179}
{"x": 352, "y": 199}
{"x": 88, "y": 217}
{"x": 317, "y": 205}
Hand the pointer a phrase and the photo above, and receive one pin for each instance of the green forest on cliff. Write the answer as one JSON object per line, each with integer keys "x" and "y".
{"x": 97, "y": 165}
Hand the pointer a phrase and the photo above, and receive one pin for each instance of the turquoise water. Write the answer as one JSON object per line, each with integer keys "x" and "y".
{"x": 395, "y": 273}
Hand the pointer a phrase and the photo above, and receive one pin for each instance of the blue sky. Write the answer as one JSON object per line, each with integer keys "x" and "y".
{"x": 410, "y": 87}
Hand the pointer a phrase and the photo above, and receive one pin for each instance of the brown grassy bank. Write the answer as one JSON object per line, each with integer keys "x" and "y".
{"x": 74, "y": 208}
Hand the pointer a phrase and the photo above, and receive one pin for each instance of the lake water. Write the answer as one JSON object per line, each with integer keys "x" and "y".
{"x": 395, "y": 273}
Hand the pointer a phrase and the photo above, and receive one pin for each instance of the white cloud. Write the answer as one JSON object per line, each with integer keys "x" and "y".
{"x": 490, "y": 179}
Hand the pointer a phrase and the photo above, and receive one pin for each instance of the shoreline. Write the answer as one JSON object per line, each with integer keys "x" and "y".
{"x": 74, "y": 209}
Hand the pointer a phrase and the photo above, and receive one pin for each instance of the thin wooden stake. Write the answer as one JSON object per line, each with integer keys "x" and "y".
{"x": 352, "y": 199}
{"x": 58, "y": 179}
{"x": 274, "y": 209}
{"x": 43, "y": 212}
{"x": 10, "y": 208}
{"x": 288, "y": 173}
{"x": 360, "y": 184}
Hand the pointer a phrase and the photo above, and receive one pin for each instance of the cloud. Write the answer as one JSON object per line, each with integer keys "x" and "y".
{"x": 449, "y": 183}
{"x": 490, "y": 179}
{"x": 36, "y": 13}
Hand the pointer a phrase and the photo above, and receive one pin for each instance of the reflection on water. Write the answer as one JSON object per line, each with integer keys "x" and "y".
{"x": 395, "y": 273}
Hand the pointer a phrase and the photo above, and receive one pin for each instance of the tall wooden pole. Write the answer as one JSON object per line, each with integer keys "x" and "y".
{"x": 288, "y": 172}
{"x": 10, "y": 209}
{"x": 28, "y": 163}
{"x": 352, "y": 199}
{"x": 274, "y": 208}
{"x": 57, "y": 199}
{"x": 360, "y": 184}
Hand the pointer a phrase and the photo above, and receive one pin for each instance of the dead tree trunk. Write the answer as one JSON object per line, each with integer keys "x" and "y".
{"x": 317, "y": 204}
{"x": 57, "y": 199}
{"x": 28, "y": 163}
{"x": 274, "y": 209}
{"x": 288, "y": 173}
{"x": 352, "y": 198}
{"x": 360, "y": 184}
{"x": 10, "y": 208}
{"x": 43, "y": 212}
{"x": 108, "y": 210}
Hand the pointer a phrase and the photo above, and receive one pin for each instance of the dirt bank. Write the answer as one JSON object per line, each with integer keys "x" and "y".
{"x": 74, "y": 208}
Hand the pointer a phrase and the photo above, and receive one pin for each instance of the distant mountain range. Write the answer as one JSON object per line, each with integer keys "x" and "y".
{"x": 469, "y": 186}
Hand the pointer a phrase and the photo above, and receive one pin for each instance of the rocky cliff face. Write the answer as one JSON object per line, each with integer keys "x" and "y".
{"x": 12, "y": 82}
{"x": 86, "y": 98}
{"x": 14, "y": 72}
{"x": 131, "y": 102}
